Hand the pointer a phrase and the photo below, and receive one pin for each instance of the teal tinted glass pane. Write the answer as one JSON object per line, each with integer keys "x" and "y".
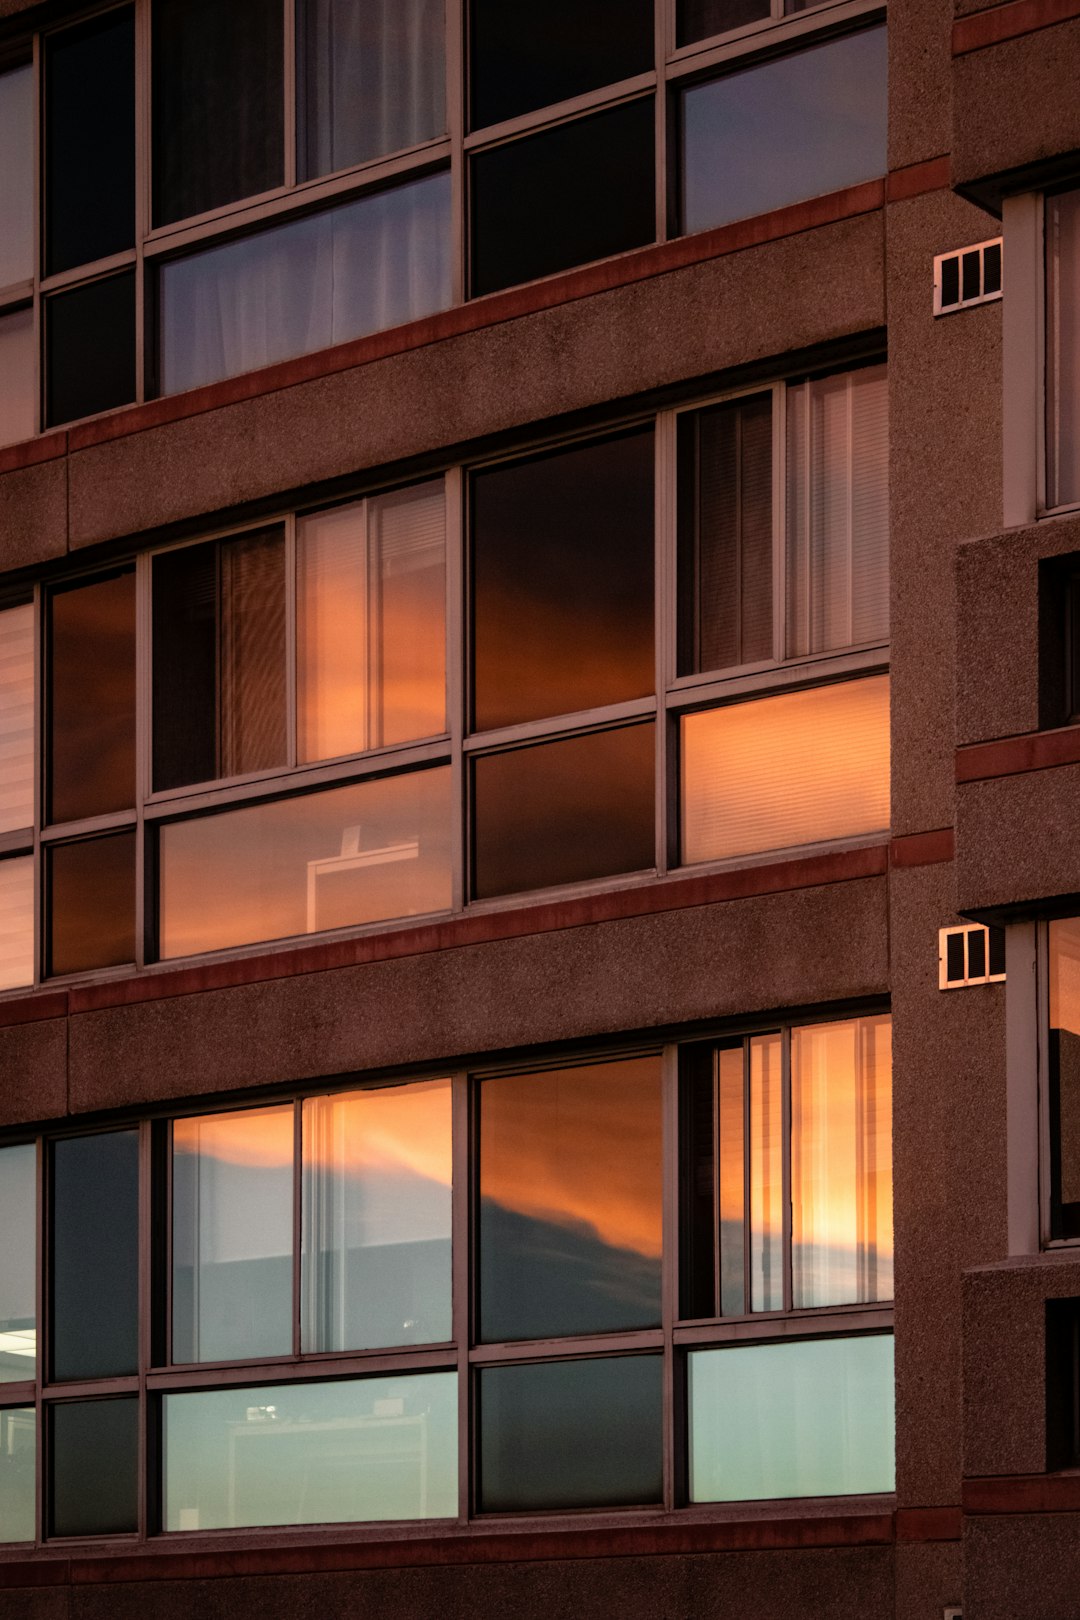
{"x": 18, "y": 1456}
{"x": 811, "y": 1418}
{"x": 796, "y": 127}
{"x": 18, "y": 1223}
{"x": 369, "y": 1449}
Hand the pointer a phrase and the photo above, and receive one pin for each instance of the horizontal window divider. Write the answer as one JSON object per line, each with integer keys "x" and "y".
{"x": 525, "y": 899}
{"x": 695, "y": 691}
{"x": 790, "y": 852}
{"x": 16, "y": 292}
{"x": 19, "y": 842}
{"x": 813, "y": 1324}
{"x": 288, "y": 781}
{"x": 18, "y": 1394}
{"x": 564, "y": 1349}
{"x": 563, "y": 725}
{"x": 84, "y": 1389}
{"x": 308, "y": 1370}
{"x": 67, "y": 831}
{"x": 85, "y": 273}
{"x": 771, "y": 33}
{"x": 560, "y": 112}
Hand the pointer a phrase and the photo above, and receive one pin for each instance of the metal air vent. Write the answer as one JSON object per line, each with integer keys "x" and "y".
{"x": 969, "y": 276}
{"x": 970, "y": 954}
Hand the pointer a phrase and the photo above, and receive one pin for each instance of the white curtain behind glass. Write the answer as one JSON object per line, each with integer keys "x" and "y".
{"x": 1063, "y": 349}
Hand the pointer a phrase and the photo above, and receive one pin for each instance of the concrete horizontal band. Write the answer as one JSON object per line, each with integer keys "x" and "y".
{"x": 998, "y": 23}
{"x": 1012, "y": 756}
{"x": 923, "y": 848}
{"x": 1022, "y": 1493}
{"x": 923, "y": 1524}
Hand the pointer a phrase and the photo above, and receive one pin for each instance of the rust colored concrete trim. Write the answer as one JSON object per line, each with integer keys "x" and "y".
{"x": 480, "y": 928}
{"x": 1012, "y": 756}
{"x": 1023, "y": 1493}
{"x": 31, "y": 1009}
{"x": 918, "y": 178}
{"x": 982, "y": 28}
{"x": 928, "y": 1524}
{"x": 923, "y": 849}
{"x": 29, "y": 452}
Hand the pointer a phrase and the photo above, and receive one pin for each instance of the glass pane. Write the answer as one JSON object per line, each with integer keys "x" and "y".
{"x": 371, "y": 623}
{"x": 90, "y": 142}
{"x": 524, "y": 57}
{"x": 372, "y": 80}
{"x": 841, "y": 1163}
{"x": 1064, "y": 1076}
{"x": 93, "y": 1472}
{"x": 697, "y": 1183}
{"x": 90, "y": 349}
{"x": 1063, "y": 348}
{"x": 731, "y": 1129}
{"x": 725, "y": 536}
{"x": 570, "y": 1434}
{"x": 95, "y": 1255}
{"x": 573, "y": 193}
{"x": 18, "y": 1463}
{"x": 91, "y": 910}
{"x": 296, "y": 866}
{"x": 376, "y": 1221}
{"x": 564, "y": 812}
{"x": 792, "y": 128}
{"x": 781, "y": 771}
{"x": 570, "y": 1194}
{"x": 838, "y": 512}
{"x": 17, "y": 717}
{"x": 699, "y": 19}
{"x": 563, "y": 581}
{"x": 372, "y": 263}
{"x": 218, "y": 103}
{"x": 18, "y": 376}
{"x": 16, "y": 921}
{"x": 766, "y": 1175}
{"x": 18, "y": 1268}
{"x": 92, "y": 698}
{"x": 811, "y": 1418}
{"x": 17, "y": 175}
{"x": 369, "y": 1449}
{"x": 233, "y": 1235}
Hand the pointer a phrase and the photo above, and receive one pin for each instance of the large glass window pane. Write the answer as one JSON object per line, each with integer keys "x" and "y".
{"x": 220, "y": 704}
{"x": 95, "y": 1255}
{"x": 524, "y": 57}
{"x": 780, "y": 771}
{"x": 570, "y": 1196}
{"x": 90, "y": 349}
{"x": 375, "y": 262}
{"x": 18, "y": 376}
{"x": 573, "y": 193}
{"x": 218, "y": 103}
{"x": 232, "y": 1235}
{"x": 564, "y": 812}
{"x": 16, "y": 717}
{"x": 92, "y": 698}
{"x": 699, "y": 19}
{"x": 16, "y": 921}
{"x": 811, "y": 1418}
{"x": 369, "y": 1449}
{"x": 563, "y": 581}
{"x": 93, "y": 1467}
{"x": 841, "y": 1163}
{"x": 1063, "y": 348}
{"x": 90, "y": 141}
{"x": 91, "y": 903}
{"x": 323, "y": 860}
{"x": 376, "y": 1218}
{"x": 570, "y": 1434}
{"x": 18, "y": 1267}
{"x": 18, "y": 1463}
{"x": 726, "y": 535}
{"x": 1064, "y": 1077}
{"x": 371, "y": 623}
{"x": 838, "y": 512}
{"x": 17, "y": 175}
{"x": 788, "y": 129}
{"x": 372, "y": 80}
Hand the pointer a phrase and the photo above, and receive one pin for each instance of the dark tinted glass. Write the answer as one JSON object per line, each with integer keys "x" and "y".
{"x": 563, "y": 582}
{"x": 1062, "y": 1383}
{"x": 92, "y": 698}
{"x": 971, "y": 274}
{"x": 95, "y": 1256}
{"x": 577, "y": 192}
{"x": 570, "y": 1434}
{"x": 950, "y": 281}
{"x": 976, "y": 944}
{"x": 93, "y": 1455}
{"x": 992, "y": 268}
{"x": 218, "y": 103}
{"x": 997, "y": 949}
{"x": 524, "y": 56}
{"x": 90, "y": 349}
{"x": 725, "y": 536}
{"x": 698, "y": 19}
{"x": 91, "y": 918}
{"x": 955, "y": 966}
{"x": 564, "y": 811}
{"x": 90, "y": 141}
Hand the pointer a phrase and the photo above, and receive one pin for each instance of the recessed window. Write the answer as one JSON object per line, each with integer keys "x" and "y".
{"x": 18, "y": 1268}
{"x": 522, "y": 58}
{"x": 1063, "y": 349}
{"x": 93, "y": 1467}
{"x": 94, "y": 1227}
{"x": 18, "y": 376}
{"x": 1064, "y": 1077}
{"x": 90, "y": 348}
{"x": 16, "y": 177}
{"x": 91, "y": 696}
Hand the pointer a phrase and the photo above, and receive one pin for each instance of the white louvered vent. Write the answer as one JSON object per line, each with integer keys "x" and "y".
{"x": 970, "y": 954}
{"x": 969, "y": 276}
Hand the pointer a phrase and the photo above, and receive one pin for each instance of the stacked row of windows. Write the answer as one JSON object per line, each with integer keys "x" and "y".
{"x": 272, "y": 733}
{"x": 257, "y": 1316}
{"x": 222, "y": 187}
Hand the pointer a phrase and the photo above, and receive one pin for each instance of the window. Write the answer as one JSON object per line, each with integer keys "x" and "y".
{"x": 1062, "y": 213}
{"x": 17, "y": 368}
{"x": 1062, "y": 1194}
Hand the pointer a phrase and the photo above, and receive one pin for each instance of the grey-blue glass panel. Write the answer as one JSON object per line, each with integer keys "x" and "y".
{"x": 699, "y": 19}
{"x": 93, "y": 1467}
{"x": 95, "y": 1255}
{"x": 375, "y": 262}
{"x": 788, "y": 129}
{"x": 357, "y": 1451}
{"x": 523, "y": 56}
{"x": 18, "y": 1267}
{"x": 218, "y": 103}
{"x": 570, "y": 1434}
{"x": 89, "y": 130}
{"x": 90, "y": 349}
{"x": 574, "y": 193}
{"x": 809, "y": 1418}
{"x": 18, "y": 1458}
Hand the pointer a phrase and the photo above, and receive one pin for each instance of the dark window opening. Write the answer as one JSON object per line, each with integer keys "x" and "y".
{"x": 94, "y": 1325}
{"x": 525, "y": 57}
{"x": 93, "y": 1467}
{"x": 1059, "y": 641}
{"x": 1062, "y": 1383}
{"x": 90, "y": 349}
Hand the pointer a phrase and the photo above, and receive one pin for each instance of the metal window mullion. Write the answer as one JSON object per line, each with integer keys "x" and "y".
{"x": 461, "y": 1241}
{"x": 669, "y": 1268}
{"x": 748, "y": 1161}
{"x": 292, "y": 562}
{"x": 41, "y": 1237}
{"x": 786, "y": 1138}
{"x": 144, "y": 653}
{"x": 457, "y": 621}
{"x": 40, "y": 754}
{"x": 288, "y": 77}
{"x": 297, "y": 1224}
{"x": 145, "y": 1325}
{"x": 717, "y": 1228}
{"x": 666, "y": 634}
{"x": 1042, "y": 995}
{"x": 779, "y": 526}
{"x": 661, "y": 156}
{"x": 143, "y": 200}
{"x": 455, "y": 120}
{"x": 38, "y": 225}
{"x": 849, "y": 396}
{"x": 1040, "y": 313}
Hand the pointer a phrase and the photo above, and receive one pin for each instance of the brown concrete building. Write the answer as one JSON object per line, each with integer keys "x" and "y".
{"x": 539, "y": 627}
